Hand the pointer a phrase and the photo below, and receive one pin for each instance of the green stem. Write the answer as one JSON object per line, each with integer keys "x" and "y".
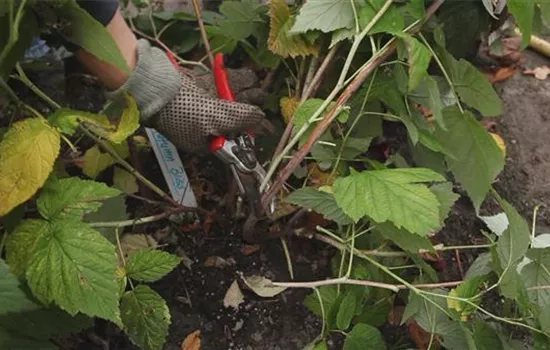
{"x": 443, "y": 70}
{"x": 3, "y": 242}
{"x": 134, "y": 222}
{"x": 288, "y": 259}
{"x": 9, "y": 91}
{"x": 25, "y": 80}
{"x": 121, "y": 252}
{"x": 14, "y": 28}
{"x": 277, "y": 160}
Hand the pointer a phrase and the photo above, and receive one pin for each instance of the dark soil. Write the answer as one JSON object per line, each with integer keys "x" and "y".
{"x": 195, "y": 292}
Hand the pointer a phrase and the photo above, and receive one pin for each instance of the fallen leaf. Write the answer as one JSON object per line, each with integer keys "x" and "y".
{"x": 501, "y": 74}
{"x": 249, "y": 249}
{"x": 219, "y": 262}
{"x": 233, "y": 297}
{"x": 192, "y": 341}
{"x": 208, "y": 221}
{"x": 541, "y": 73}
{"x": 260, "y": 286}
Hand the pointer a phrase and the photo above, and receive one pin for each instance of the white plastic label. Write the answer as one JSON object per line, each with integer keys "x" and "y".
{"x": 172, "y": 169}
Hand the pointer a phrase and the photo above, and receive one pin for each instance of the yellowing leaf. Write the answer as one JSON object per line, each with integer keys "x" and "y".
{"x": 280, "y": 41}
{"x": 129, "y": 121}
{"x": 27, "y": 155}
{"x": 125, "y": 181}
{"x": 500, "y": 142}
{"x": 67, "y": 120}
{"x": 288, "y": 106}
{"x": 96, "y": 161}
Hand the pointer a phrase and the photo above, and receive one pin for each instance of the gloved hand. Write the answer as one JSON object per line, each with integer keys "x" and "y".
{"x": 171, "y": 102}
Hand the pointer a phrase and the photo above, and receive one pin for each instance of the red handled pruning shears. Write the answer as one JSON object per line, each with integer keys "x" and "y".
{"x": 238, "y": 152}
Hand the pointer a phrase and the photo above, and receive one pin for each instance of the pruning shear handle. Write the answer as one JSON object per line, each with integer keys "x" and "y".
{"x": 238, "y": 152}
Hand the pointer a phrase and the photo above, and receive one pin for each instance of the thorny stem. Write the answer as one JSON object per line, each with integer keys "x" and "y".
{"x": 166, "y": 48}
{"x": 205, "y": 41}
{"x": 362, "y": 75}
{"x": 309, "y": 90}
{"x": 140, "y": 221}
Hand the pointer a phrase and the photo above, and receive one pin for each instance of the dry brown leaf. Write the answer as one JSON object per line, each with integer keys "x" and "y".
{"x": 501, "y": 74}
{"x": 317, "y": 177}
{"x": 219, "y": 262}
{"x": 260, "y": 286}
{"x": 249, "y": 249}
{"x": 233, "y": 297}
{"x": 541, "y": 73}
{"x": 192, "y": 341}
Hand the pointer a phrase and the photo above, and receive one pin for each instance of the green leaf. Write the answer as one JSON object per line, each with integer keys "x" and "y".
{"x": 27, "y": 155}
{"x": 428, "y": 316}
{"x": 20, "y": 245}
{"x": 537, "y": 274}
{"x": 486, "y": 338}
{"x": 12, "y": 296}
{"x": 113, "y": 209}
{"x": 407, "y": 241}
{"x": 427, "y": 94}
{"x": 72, "y": 196}
{"x": 377, "y": 314}
{"x": 329, "y": 295}
{"x": 321, "y": 202}
{"x": 324, "y": 15}
{"x": 478, "y": 159}
{"x": 346, "y": 311}
{"x": 150, "y": 265}
{"x": 240, "y": 19}
{"x": 446, "y": 197}
{"x": 145, "y": 317}
{"x": 9, "y": 340}
{"x": 481, "y": 266}
{"x": 44, "y": 323}
{"x": 419, "y": 60}
{"x": 309, "y": 107}
{"x": 391, "y": 22}
{"x": 416, "y": 8}
{"x": 364, "y": 337}
{"x": 128, "y": 122}
{"x": 70, "y": 265}
{"x": 468, "y": 289}
{"x": 391, "y": 194}
{"x": 523, "y": 12}
{"x": 472, "y": 86}
{"x": 511, "y": 247}
{"x": 67, "y": 120}
{"x": 81, "y": 24}
{"x": 281, "y": 42}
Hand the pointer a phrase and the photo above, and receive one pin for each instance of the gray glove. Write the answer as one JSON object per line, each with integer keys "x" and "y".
{"x": 171, "y": 102}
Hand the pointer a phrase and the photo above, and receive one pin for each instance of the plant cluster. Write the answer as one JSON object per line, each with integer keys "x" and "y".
{"x": 339, "y": 71}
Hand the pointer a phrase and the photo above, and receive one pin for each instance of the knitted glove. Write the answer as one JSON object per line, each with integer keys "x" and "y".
{"x": 171, "y": 102}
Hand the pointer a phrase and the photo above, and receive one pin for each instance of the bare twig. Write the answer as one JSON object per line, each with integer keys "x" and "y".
{"x": 362, "y": 75}
{"x": 345, "y": 280}
{"x": 139, "y": 221}
{"x": 205, "y": 41}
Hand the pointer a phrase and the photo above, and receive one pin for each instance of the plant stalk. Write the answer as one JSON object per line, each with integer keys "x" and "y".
{"x": 140, "y": 221}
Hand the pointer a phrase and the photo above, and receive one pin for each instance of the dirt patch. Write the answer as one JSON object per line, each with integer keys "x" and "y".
{"x": 525, "y": 126}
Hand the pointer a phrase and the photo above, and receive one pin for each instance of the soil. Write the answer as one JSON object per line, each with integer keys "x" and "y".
{"x": 195, "y": 292}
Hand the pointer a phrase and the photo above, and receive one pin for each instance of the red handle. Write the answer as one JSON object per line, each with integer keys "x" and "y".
{"x": 224, "y": 92}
